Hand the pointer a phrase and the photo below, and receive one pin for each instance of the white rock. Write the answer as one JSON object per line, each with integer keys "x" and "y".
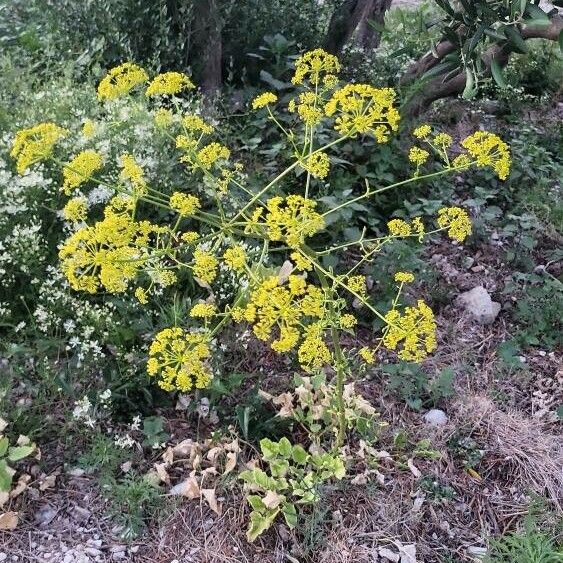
{"x": 389, "y": 555}
{"x": 478, "y": 303}
{"x": 3, "y": 557}
{"x": 436, "y": 417}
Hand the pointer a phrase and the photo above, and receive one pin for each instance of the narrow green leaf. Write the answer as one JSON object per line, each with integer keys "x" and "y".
{"x": 537, "y": 15}
{"x": 496, "y": 71}
{"x": 515, "y": 39}
{"x": 4, "y": 443}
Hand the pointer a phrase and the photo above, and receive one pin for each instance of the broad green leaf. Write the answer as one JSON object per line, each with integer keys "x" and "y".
{"x": 290, "y": 514}
{"x": 256, "y": 502}
{"x": 285, "y": 447}
{"x": 269, "y": 449}
{"x": 19, "y": 452}
{"x": 4, "y": 443}
{"x": 300, "y": 455}
{"x": 5, "y": 476}
{"x": 497, "y": 73}
{"x": 259, "y": 523}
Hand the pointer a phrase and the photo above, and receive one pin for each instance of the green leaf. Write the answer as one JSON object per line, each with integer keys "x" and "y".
{"x": 269, "y": 449}
{"x": 290, "y": 514}
{"x": 260, "y": 523}
{"x": 494, "y": 34}
{"x": 496, "y": 71}
{"x": 300, "y": 455}
{"x": 4, "y": 443}
{"x": 256, "y": 503}
{"x": 19, "y": 452}
{"x": 561, "y": 41}
{"x": 470, "y": 86}
{"x": 5, "y": 476}
{"x": 537, "y": 15}
{"x": 285, "y": 448}
{"x": 515, "y": 39}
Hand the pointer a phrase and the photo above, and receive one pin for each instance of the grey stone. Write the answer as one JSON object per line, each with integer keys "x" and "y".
{"x": 478, "y": 303}
{"x": 436, "y": 417}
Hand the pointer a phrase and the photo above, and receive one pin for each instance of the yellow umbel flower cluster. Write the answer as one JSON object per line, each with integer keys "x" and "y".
{"x": 456, "y": 220}
{"x": 291, "y": 219}
{"x": 80, "y": 169}
{"x": 308, "y": 107}
{"x": 109, "y": 254}
{"x": 132, "y": 171}
{"x": 235, "y": 258}
{"x": 263, "y": 100}
{"x": 195, "y": 124}
{"x": 205, "y": 266}
{"x": 121, "y": 80}
{"x": 76, "y": 210}
{"x": 35, "y": 144}
{"x": 88, "y": 129}
{"x": 169, "y": 84}
{"x": 313, "y": 353}
{"x": 185, "y": 204}
{"x": 418, "y": 156}
{"x": 401, "y": 228}
{"x": 415, "y": 329}
{"x": 313, "y": 65}
{"x": 404, "y": 277}
{"x": 422, "y": 132}
{"x": 163, "y": 118}
{"x": 180, "y": 360}
{"x": 203, "y": 310}
{"x": 489, "y": 150}
{"x": 361, "y": 108}
{"x": 210, "y": 154}
{"x": 318, "y": 164}
{"x": 275, "y": 307}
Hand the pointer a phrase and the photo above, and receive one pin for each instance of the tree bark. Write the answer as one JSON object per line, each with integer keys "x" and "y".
{"x": 352, "y": 16}
{"x": 208, "y": 38}
{"x": 437, "y": 88}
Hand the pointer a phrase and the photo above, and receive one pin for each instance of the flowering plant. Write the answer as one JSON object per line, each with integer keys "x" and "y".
{"x": 269, "y": 240}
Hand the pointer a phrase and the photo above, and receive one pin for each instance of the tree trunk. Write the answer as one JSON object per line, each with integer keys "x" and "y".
{"x": 367, "y": 36}
{"x": 207, "y": 32}
{"x": 436, "y": 88}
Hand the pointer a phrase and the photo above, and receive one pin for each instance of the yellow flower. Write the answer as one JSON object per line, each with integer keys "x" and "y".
{"x": 35, "y": 144}
{"x": 348, "y": 321}
{"x": 367, "y": 355}
{"x": 357, "y": 284}
{"x": 108, "y": 254}
{"x": 415, "y": 329}
{"x": 489, "y": 150}
{"x": 203, "y": 310}
{"x": 263, "y": 100}
{"x": 399, "y": 228}
{"x": 121, "y": 80}
{"x": 235, "y": 258}
{"x": 88, "y": 129}
{"x": 76, "y": 210}
{"x": 133, "y": 172}
{"x": 418, "y": 156}
{"x": 308, "y": 107}
{"x": 169, "y": 83}
{"x": 80, "y": 169}
{"x": 361, "y": 108}
{"x": 461, "y": 161}
{"x": 313, "y": 353}
{"x": 404, "y": 277}
{"x": 185, "y": 205}
{"x": 443, "y": 140}
{"x": 292, "y": 219}
{"x": 302, "y": 263}
{"x": 418, "y": 227}
{"x": 205, "y": 266}
{"x": 313, "y": 64}
{"x": 457, "y": 221}
{"x": 318, "y": 164}
{"x": 141, "y": 295}
{"x": 180, "y": 360}
{"x": 190, "y": 237}
{"x": 195, "y": 124}
{"x": 210, "y": 154}
{"x": 163, "y": 118}
{"x": 422, "y": 132}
